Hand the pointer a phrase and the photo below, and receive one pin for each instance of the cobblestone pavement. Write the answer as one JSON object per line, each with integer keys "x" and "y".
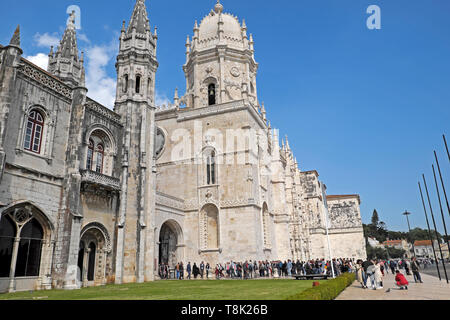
{"x": 430, "y": 289}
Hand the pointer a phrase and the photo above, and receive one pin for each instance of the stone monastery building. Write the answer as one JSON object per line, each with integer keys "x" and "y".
{"x": 92, "y": 195}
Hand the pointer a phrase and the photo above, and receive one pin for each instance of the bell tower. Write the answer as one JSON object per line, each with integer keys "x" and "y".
{"x": 136, "y": 67}
{"x": 220, "y": 63}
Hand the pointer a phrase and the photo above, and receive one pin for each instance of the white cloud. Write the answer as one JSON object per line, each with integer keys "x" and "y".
{"x": 46, "y": 40}
{"x": 102, "y": 88}
{"x": 41, "y": 60}
{"x": 83, "y": 37}
{"x": 161, "y": 99}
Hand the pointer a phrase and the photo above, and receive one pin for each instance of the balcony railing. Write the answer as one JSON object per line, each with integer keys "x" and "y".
{"x": 88, "y": 176}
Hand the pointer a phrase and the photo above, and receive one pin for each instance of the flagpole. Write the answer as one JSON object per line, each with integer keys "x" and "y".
{"x": 435, "y": 229}
{"x": 445, "y": 142}
{"x": 326, "y": 226}
{"x": 429, "y": 231}
{"x": 442, "y": 182}
{"x": 442, "y": 212}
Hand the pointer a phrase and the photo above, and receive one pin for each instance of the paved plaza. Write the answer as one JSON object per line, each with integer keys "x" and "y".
{"x": 430, "y": 289}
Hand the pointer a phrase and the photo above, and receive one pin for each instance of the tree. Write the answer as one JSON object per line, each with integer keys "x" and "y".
{"x": 395, "y": 253}
{"x": 375, "y": 218}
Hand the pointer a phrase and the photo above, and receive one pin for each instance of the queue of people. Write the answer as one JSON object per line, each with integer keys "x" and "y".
{"x": 256, "y": 269}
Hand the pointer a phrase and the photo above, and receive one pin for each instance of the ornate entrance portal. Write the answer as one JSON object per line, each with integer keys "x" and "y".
{"x": 168, "y": 241}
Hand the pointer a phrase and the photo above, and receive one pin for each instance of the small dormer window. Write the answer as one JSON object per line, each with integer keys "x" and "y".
{"x": 212, "y": 94}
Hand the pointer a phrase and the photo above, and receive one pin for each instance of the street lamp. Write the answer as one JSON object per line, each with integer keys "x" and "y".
{"x": 406, "y": 213}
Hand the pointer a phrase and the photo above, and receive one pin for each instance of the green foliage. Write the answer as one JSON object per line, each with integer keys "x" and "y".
{"x": 376, "y": 253}
{"x": 395, "y": 253}
{"x": 375, "y": 218}
{"x": 327, "y": 290}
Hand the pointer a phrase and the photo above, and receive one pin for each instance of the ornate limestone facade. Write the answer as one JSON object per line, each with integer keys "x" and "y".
{"x": 92, "y": 195}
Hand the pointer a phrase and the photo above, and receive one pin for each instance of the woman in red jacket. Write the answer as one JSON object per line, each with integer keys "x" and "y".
{"x": 400, "y": 280}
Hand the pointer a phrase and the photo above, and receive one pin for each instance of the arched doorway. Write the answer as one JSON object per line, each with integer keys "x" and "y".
{"x": 93, "y": 255}
{"x": 168, "y": 241}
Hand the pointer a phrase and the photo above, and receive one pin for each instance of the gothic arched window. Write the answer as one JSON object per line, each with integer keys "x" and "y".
{"x": 29, "y": 254}
{"x": 90, "y": 155}
{"x": 211, "y": 168}
{"x": 100, "y": 152}
{"x": 34, "y": 130}
{"x": 211, "y": 94}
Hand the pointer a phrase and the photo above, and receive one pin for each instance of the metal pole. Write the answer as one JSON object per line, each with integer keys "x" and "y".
{"x": 406, "y": 213}
{"x": 326, "y": 226}
{"x": 442, "y": 182}
{"x": 429, "y": 231}
{"x": 445, "y": 142}
{"x": 442, "y": 212}
{"x": 435, "y": 229}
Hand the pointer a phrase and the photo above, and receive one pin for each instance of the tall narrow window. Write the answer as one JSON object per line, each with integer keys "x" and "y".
{"x": 100, "y": 156}
{"x": 138, "y": 84}
{"x": 125, "y": 86}
{"x": 211, "y": 169}
{"x": 91, "y": 262}
{"x": 90, "y": 155}
{"x": 33, "y": 134}
{"x": 211, "y": 94}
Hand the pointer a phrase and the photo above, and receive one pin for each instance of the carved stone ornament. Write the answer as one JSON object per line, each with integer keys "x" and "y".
{"x": 235, "y": 72}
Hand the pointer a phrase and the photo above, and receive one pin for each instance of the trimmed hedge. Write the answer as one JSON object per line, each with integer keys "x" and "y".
{"x": 327, "y": 290}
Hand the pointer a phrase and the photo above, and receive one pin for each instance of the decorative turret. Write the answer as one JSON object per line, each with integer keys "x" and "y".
{"x": 65, "y": 63}
{"x": 219, "y": 67}
{"x": 136, "y": 62}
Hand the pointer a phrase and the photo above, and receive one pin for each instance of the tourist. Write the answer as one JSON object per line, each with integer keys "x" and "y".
{"x": 407, "y": 267}
{"x": 289, "y": 268}
{"x": 415, "y": 270}
{"x": 401, "y": 281}
{"x": 195, "y": 271}
{"x": 207, "y": 267}
{"x": 359, "y": 273}
{"x": 393, "y": 266}
{"x": 177, "y": 268}
{"x": 188, "y": 270}
{"x": 370, "y": 282}
{"x": 378, "y": 276}
{"x": 202, "y": 269}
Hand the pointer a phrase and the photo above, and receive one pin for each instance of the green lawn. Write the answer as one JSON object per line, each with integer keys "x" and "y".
{"x": 271, "y": 289}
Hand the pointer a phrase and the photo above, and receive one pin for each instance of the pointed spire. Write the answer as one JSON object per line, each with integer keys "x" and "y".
{"x": 123, "y": 27}
{"x": 155, "y": 33}
{"x": 139, "y": 19}
{"x": 15, "y": 40}
{"x": 68, "y": 45}
{"x": 287, "y": 143}
{"x": 51, "y": 52}
{"x": 251, "y": 42}
{"x": 218, "y": 8}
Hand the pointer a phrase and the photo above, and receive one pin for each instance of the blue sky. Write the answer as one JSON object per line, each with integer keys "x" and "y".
{"x": 366, "y": 108}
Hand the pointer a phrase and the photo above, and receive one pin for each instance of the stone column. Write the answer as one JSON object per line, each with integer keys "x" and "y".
{"x": 85, "y": 266}
{"x": 12, "y": 271}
